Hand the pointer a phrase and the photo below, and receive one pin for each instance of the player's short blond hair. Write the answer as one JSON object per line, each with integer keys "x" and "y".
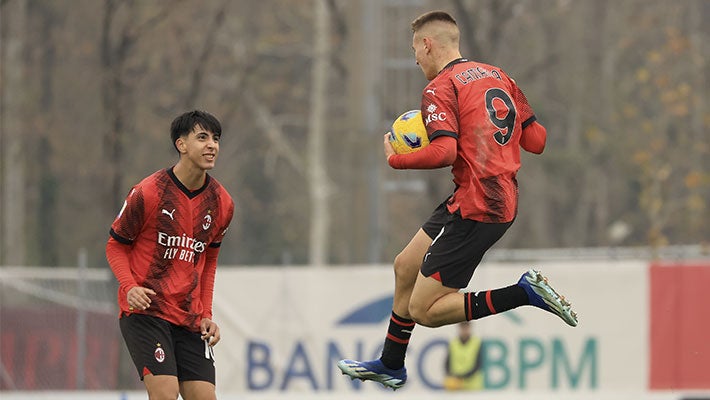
{"x": 439, "y": 25}
{"x": 432, "y": 16}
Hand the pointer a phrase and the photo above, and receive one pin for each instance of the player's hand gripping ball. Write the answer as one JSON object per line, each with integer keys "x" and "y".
{"x": 408, "y": 133}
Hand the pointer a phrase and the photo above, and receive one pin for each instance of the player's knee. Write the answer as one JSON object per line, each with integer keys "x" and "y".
{"x": 163, "y": 395}
{"x": 404, "y": 267}
{"x": 422, "y": 319}
{"x": 202, "y": 390}
{"x": 419, "y": 315}
{"x": 399, "y": 265}
{"x": 163, "y": 392}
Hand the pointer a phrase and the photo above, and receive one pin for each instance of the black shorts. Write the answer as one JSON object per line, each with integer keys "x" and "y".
{"x": 160, "y": 348}
{"x": 458, "y": 246}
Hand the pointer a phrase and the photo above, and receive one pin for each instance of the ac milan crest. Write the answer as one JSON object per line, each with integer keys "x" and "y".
{"x": 159, "y": 354}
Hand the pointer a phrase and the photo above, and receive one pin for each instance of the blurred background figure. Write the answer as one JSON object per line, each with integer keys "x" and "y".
{"x": 464, "y": 361}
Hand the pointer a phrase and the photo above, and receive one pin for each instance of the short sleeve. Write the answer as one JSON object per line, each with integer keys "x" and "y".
{"x": 525, "y": 111}
{"x": 440, "y": 109}
{"x": 129, "y": 221}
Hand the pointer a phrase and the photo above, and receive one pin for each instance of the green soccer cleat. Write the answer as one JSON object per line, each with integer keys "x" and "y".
{"x": 544, "y": 296}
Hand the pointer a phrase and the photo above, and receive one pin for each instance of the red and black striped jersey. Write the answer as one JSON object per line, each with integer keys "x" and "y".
{"x": 169, "y": 230}
{"x": 486, "y": 111}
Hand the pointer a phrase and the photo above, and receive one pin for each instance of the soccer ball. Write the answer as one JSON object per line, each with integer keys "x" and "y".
{"x": 408, "y": 133}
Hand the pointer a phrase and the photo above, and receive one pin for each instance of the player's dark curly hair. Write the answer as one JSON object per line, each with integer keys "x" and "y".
{"x": 432, "y": 16}
{"x": 185, "y": 123}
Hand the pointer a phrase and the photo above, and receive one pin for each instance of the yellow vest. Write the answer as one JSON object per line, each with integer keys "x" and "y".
{"x": 462, "y": 359}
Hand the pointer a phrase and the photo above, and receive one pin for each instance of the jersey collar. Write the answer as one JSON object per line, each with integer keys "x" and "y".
{"x": 189, "y": 193}
{"x": 454, "y": 62}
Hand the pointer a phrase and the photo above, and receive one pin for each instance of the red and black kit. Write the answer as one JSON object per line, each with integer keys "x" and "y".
{"x": 167, "y": 238}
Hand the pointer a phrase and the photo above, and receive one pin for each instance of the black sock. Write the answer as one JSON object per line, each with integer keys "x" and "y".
{"x": 398, "y": 334}
{"x": 482, "y": 304}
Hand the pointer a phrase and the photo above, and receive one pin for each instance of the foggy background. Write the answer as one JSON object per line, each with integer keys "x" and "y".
{"x": 306, "y": 89}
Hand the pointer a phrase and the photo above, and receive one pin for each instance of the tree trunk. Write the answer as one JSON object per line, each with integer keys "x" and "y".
{"x": 317, "y": 176}
{"x": 12, "y": 139}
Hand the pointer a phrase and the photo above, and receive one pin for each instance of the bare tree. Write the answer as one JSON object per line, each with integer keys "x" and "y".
{"x": 318, "y": 178}
{"x": 198, "y": 72}
{"x": 117, "y": 43}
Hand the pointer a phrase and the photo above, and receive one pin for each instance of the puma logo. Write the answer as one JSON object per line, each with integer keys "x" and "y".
{"x": 431, "y": 91}
{"x": 169, "y": 213}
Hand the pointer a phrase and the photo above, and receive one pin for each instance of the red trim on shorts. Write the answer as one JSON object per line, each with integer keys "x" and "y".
{"x": 437, "y": 275}
{"x": 146, "y": 371}
{"x": 396, "y": 339}
{"x": 489, "y": 302}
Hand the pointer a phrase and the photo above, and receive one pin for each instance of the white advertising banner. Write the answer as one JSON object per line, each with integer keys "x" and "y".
{"x": 283, "y": 330}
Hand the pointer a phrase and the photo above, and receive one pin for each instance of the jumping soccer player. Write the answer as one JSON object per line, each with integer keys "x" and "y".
{"x": 477, "y": 119}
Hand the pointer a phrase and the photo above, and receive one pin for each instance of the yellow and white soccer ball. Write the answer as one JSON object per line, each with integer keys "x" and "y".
{"x": 408, "y": 133}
